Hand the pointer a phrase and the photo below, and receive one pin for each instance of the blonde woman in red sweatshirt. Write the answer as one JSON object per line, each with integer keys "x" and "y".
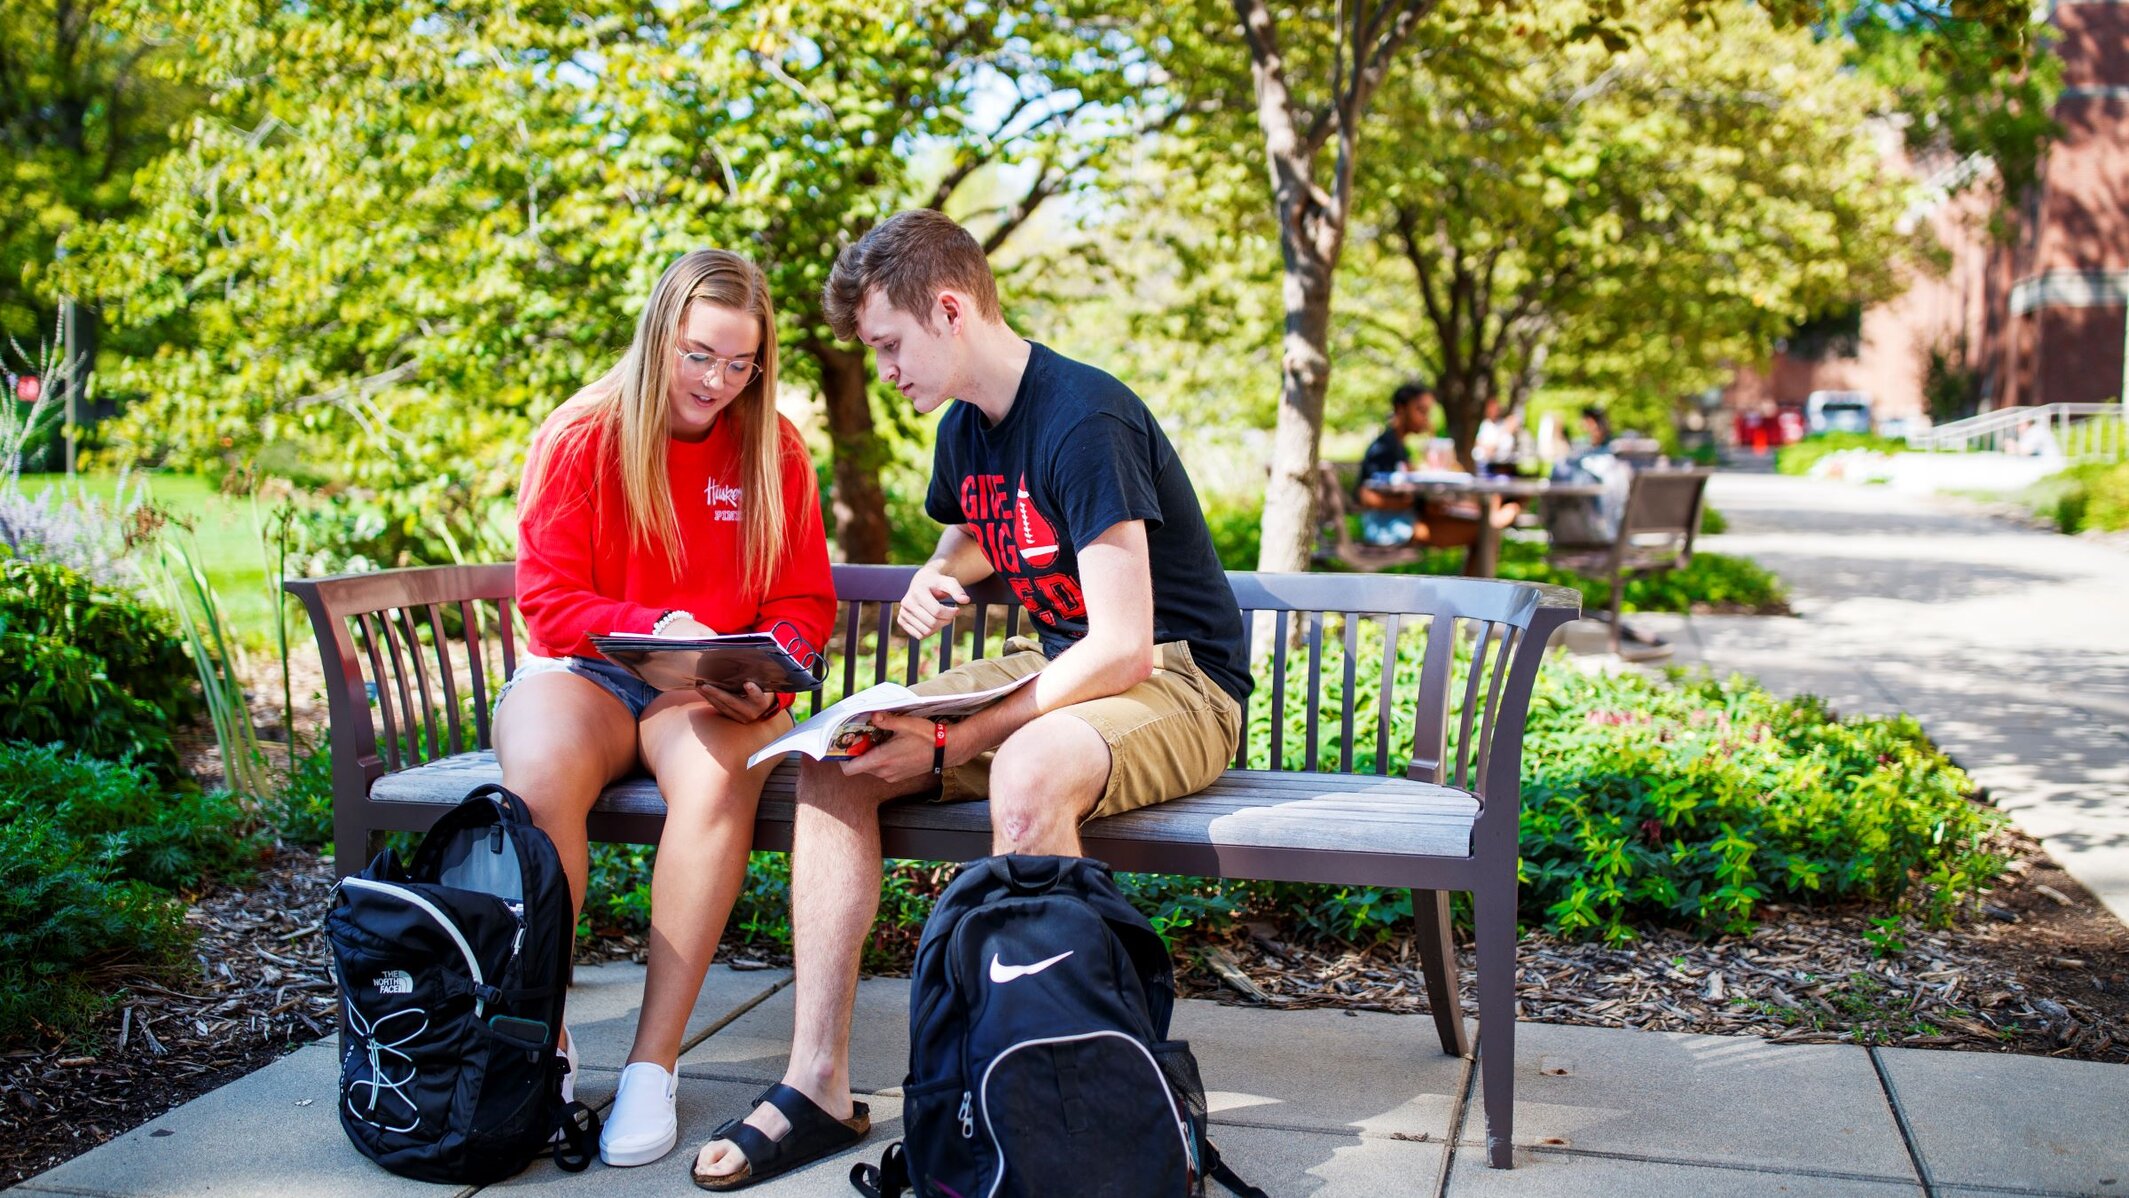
{"x": 666, "y": 497}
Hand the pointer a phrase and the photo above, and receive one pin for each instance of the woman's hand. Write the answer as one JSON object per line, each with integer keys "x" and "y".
{"x": 682, "y": 630}
{"x": 741, "y": 706}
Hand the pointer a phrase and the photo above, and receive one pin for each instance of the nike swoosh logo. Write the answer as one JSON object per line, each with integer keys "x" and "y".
{"x": 1002, "y": 973}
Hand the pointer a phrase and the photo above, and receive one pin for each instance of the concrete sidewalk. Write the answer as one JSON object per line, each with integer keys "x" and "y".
{"x": 1305, "y": 1103}
{"x": 2010, "y": 646}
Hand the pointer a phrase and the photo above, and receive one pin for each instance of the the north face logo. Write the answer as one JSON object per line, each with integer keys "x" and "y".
{"x": 394, "y": 981}
{"x": 1033, "y": 535}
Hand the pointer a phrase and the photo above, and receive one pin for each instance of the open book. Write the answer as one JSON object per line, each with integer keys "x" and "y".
{"x": 842, "y": 730}
{"x": 728, "y": 662}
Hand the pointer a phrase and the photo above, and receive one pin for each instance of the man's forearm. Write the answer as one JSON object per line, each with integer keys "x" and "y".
{"x": 1088, "y": 670}
{"x": 959, "y": 557}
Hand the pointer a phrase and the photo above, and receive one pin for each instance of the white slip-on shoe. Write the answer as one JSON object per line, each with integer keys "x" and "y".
{"x": 568, "y": 1052}
{"x": 641, "y": 1126}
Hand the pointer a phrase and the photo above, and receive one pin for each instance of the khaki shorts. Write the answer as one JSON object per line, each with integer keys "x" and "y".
{"x": 1169, "y": 736}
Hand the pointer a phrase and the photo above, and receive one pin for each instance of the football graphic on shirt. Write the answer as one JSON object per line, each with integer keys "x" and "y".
{"x": 1033, "y": 535}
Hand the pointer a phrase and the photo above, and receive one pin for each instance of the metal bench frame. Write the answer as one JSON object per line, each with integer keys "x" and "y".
{"x": 1657, "y": 528}
{"x": 405, "y": 650}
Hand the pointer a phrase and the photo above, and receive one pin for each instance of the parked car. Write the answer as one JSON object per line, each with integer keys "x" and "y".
{"x": 1837, "y": 412}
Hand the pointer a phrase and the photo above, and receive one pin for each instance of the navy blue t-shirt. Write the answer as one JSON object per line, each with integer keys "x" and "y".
{"x": 1076, "y": 455}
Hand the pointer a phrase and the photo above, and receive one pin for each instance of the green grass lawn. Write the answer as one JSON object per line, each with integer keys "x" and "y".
{"x": 225, "y": 540}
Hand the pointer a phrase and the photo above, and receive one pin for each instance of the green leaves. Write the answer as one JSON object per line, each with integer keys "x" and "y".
{"x": 1625, "y": 217}
{"x": 1789, "y": 803}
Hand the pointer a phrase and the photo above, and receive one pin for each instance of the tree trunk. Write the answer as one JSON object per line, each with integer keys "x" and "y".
{"x": 859, "y": 506}
{"x": 1289, "y": 528}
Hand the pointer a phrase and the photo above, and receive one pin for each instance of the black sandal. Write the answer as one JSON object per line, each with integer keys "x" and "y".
{"x": 814, "y": 1134}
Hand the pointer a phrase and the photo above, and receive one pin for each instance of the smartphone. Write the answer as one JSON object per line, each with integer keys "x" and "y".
{"x": 529, "y": 1031}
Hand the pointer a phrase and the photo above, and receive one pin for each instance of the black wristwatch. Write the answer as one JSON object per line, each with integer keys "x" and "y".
{"x": 938, "y": 748}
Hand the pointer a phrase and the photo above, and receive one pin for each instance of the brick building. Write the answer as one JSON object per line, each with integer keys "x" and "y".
{"x": 2040, "y": 320}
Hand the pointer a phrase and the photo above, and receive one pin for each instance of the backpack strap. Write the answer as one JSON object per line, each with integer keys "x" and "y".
{"x": 512, "y": 806}
{"x": 888, "y": 1178}
{"x": 577, "y": 1139}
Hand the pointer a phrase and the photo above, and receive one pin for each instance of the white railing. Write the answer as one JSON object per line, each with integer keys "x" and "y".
{"x": 2073, "y": 432}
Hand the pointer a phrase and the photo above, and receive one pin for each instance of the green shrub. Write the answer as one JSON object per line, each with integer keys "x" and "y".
{"x": 1712, "y": 522}
{"x": 1710, "y": 580}
{"x": 2091, "y": 496}
{"x": 1237, "y": 532}
{"x": 69, "y": 927}
{"x": 89, "y": 667}
{"x": 175, "y": 838}
{"x": 303, "y": 811}
{"x": 619, "y": 895}
{"x": 1802, "y": 456}
{"x": 1692, "y": 801}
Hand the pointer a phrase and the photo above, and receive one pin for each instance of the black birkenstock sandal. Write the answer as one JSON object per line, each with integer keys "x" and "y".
{"x": 814, "y": 1134}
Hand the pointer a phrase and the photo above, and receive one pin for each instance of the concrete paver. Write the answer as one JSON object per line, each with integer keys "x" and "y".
{"x": 272, "y": 1133}
{"x": 702, "y": 1104}
{"x": 1543, "y": 1173}
{"x": 1984, "y": 1119}
{"x": 1716, "y": 1100}
{"x": 1327, "y": 1071}
{"x": 1308, "y": 1102}
{"x": 604, "y": 999}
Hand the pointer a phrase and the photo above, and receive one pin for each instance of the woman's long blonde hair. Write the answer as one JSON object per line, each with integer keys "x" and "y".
{"x": 631, "y": 405}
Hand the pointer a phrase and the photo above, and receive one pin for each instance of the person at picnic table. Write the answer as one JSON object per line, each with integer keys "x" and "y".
{"x": 1391, "y": 516}
{"x": 666, "y": 497}
{"x": 1495, "y": 447}
{"x": 1054, "y": 476}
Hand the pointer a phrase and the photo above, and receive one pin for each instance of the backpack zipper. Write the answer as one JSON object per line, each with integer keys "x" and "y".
{"x": 457, "y": 937}
{"x": 984, "y": 1089}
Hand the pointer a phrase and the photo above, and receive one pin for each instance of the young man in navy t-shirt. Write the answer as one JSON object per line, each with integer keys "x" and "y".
{"x": 1053, "y": 475}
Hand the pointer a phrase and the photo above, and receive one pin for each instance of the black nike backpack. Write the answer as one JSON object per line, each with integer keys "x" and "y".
{"x": 452, "y": 975}
{"x": 1039, "y": 1057}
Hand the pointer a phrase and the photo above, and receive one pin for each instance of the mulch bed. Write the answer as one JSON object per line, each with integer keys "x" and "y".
{"x": 262, "y": 987}
{"x": 2042, "y": 968}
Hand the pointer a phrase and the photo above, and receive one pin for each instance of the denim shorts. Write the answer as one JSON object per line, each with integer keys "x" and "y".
{"x": 1385, "y": 529}
{"x": 633, "y": 692}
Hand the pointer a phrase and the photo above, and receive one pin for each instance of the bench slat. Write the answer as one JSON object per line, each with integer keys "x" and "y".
{"x": 1257, "y": 808}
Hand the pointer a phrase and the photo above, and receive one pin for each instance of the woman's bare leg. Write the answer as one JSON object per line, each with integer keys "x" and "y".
{"x": 699, "y": 759}
{"x": 561, "y": 739}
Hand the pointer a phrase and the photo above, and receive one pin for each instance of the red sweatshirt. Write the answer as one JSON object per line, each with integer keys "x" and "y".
{"x": 577, "y": 573}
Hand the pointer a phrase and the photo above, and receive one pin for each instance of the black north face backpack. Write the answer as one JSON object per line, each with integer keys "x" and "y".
{"x": 1039, "y": 1058}
{"x": 452, "y": 975}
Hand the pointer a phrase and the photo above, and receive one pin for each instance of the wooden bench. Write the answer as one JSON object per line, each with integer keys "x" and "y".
{"x": 411, "y": 657}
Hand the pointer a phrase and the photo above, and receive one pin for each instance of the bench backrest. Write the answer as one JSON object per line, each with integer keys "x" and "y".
{"x": 1662, "y": 514}
{"x": 412, "y": 659}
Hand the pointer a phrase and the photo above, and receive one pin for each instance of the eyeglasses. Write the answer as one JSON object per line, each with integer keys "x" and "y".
{"x": 695, "y": 367}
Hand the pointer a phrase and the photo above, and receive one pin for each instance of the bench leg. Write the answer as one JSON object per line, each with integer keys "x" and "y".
{"x": 1495, "y": 917}
{"x": 1437, "y": 962}
{"x": 351, "y": 847}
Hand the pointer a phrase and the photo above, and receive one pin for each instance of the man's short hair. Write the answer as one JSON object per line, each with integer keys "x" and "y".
{"x": 1410, "y": 392}
{"x": 910, "y": 258}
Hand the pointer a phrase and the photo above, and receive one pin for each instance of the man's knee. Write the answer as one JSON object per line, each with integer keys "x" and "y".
{"x": 1045, "y": 778}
